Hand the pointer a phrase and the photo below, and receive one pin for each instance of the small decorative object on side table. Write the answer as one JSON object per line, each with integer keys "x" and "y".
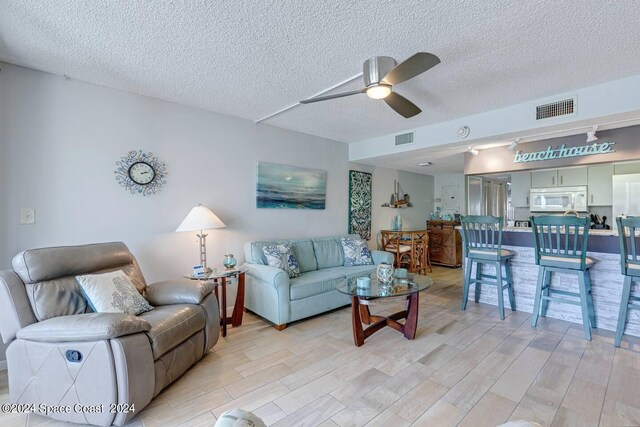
{"x": 219, "y": 278}
{"x": 229, "y": 261}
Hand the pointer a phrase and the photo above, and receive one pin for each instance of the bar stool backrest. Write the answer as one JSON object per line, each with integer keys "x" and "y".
{"x": 482, "y": 234}
{"x": 628, "y": 229}
{"x": 564, "y": 238}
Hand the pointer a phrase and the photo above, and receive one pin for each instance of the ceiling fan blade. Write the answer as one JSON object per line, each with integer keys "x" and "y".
{"x": 325, "y": 98}
{"x": 402, "y": 105}
{"x": 411, "y": 67}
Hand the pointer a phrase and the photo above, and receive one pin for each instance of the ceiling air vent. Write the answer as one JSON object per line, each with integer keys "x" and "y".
{"x": 555, "y": 109}
{"x": 405, "y": 138}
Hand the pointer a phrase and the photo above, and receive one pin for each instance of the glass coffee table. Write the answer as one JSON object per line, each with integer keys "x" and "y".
{"x": 360, "y": 296}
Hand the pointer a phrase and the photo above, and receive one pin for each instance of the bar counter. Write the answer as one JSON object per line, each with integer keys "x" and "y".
{"x": 606, "y": 280}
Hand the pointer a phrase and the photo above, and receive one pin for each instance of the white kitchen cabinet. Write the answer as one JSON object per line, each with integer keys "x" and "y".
{"x": 572, "y": 177}
{"x": 600, "y": 182}
{"x": 520, "y": 186}
{"x": 626, "y": 168}
{"x": 569, "y": 177}
{"x": 544, "y": 178}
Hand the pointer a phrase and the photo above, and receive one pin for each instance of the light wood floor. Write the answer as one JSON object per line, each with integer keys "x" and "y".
{"x": 464, "y": 368}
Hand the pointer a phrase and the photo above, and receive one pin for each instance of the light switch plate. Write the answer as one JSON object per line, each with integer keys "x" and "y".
{"x": 27, "y": 216}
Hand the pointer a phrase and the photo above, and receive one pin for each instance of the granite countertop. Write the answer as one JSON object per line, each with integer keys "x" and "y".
{"x": 592, "y": 232}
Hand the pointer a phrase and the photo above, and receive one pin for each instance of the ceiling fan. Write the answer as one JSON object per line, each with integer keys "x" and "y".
{"x": 392, "y": 73}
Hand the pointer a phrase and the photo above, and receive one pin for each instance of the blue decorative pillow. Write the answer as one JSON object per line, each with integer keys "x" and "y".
{"x": 356, "y": 252}
{"x": 281, "y": 256}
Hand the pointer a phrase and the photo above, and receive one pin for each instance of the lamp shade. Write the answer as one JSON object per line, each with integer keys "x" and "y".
{"x": 200, "y": 218}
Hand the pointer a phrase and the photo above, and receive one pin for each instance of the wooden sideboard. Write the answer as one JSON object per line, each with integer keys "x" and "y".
{"x": 445, "y": 243}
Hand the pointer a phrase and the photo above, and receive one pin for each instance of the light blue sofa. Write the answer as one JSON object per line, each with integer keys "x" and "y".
{"x": 271, "y": 294}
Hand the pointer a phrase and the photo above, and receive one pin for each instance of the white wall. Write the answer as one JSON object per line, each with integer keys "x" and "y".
{"x": 4, "y": 171}
{"x": 456, "y": 179}
{"x": 419, "y": 187}
{"x": 5, "y": 195}
{"x": 62, "y": 139}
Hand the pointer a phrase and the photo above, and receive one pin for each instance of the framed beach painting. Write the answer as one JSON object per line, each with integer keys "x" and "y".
{"x": 290, "y": 187}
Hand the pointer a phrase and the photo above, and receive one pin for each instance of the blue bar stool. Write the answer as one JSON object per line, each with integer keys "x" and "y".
{"x": 482, "y": 244}
{"x": 630, "y": 265}
{"x": 561, "y": 247}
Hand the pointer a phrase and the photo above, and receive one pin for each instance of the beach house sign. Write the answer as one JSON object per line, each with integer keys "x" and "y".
{"x": 563, "y": 151}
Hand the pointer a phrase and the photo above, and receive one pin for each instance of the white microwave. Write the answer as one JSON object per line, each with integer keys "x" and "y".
{"x": 558, "y": 199}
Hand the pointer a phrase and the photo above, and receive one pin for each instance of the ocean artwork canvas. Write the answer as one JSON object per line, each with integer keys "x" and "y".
{"x": 290, "y": 187}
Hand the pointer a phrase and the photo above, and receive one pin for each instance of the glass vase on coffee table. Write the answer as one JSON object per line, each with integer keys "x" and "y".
{"x": 409, "y": 288}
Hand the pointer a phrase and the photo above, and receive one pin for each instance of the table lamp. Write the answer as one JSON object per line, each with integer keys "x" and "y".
{"x": 201, "y": 218}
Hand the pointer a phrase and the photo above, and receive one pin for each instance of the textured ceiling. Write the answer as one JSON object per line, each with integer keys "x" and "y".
{"x": 252, "y": 58}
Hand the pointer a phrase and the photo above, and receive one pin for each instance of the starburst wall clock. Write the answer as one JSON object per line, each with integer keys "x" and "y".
{"x": 141, "y": 172}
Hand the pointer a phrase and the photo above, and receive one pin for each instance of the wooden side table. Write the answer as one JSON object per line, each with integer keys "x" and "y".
{"x": 220, "y": 280}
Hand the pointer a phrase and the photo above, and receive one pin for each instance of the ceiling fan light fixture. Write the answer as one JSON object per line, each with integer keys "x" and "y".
{"x": 378, "y": 91}
{"x": 380, "y": 73}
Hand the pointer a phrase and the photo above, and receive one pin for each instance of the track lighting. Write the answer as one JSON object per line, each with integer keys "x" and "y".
{"x": 473, "y": 151}
{"x": 514, "y": 144}
{"x": 591, "y": 135}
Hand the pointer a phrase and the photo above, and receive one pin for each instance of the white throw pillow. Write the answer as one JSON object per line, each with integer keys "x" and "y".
{"x": 112, "y": 293}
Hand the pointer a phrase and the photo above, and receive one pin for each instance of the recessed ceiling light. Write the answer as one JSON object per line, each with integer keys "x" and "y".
{"x": 425, "y": 164}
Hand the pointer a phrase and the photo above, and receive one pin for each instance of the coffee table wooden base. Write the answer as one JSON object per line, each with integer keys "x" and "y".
{"x": 360, "y": 314}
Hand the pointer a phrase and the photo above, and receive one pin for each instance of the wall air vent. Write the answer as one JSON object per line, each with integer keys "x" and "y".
{"x": 405, "y": 138}
{"x": 555, "y": 109}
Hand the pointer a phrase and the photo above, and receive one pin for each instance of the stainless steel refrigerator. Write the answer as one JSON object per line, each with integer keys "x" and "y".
{"x": 486, "y": 197}
{"x": 626, "y": 195}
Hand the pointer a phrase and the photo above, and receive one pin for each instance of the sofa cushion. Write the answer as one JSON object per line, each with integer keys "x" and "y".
{"x": 171, "y": 325}
{"x": 302, "y": 250}
{"x": 349, "y": 272}
{"x": 314, "y": 283}
{"x": 328, "y": 251}
{"x": 49, "y": 275}
{"x": 63, "y": 296}
{"x": 38, "y": 265}
{"x": 306, "y": 256}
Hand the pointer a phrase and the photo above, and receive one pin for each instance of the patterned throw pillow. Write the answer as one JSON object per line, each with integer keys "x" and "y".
{"x": 112, "y": 293}
{"x": 281, "y": 256}
{"x": 356, "y": 252}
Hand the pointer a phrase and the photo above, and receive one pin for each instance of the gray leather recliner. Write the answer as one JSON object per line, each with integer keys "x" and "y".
{"x": 100, "y": 365}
